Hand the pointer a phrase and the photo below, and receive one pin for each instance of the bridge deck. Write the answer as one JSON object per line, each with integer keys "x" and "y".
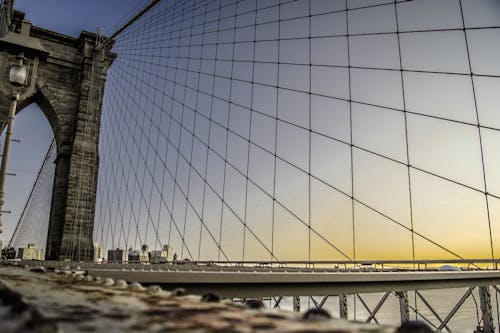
{"x": 246, "y": 283}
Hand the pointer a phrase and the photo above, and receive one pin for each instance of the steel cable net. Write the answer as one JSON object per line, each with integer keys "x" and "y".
{"x": 304, "y": 130}
{"x": 33, "y": 223}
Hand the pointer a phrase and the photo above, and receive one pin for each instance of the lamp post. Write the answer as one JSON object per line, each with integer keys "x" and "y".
{"x": 18, "y": 74}
{"x": 19, "y": 57}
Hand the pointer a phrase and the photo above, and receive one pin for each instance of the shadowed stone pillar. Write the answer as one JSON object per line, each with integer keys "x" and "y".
{"x": 71, "y": 99}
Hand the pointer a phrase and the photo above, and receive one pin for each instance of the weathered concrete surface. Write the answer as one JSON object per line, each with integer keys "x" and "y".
{"x": 63, "y": 88}
{"x": 50, "y": 302}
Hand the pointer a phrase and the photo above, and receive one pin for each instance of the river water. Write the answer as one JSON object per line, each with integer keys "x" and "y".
{"x": 442, "y": 301}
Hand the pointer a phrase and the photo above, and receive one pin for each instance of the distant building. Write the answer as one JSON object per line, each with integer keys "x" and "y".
{"x": 116, "y": 255}
{"x": 97, "y": 252}
{"x": 144, "y": 255}
{"x": 162, "y": 256}
{"x": 9, "y": 253}
{"x": 30, "y": 253}
{"x": 170, "y": 251}
{"x": 138, "y": 255}
{"x": 133, "y": 255}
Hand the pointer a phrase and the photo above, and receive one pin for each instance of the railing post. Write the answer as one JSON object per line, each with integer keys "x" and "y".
{"x": 296, "y": 303}
{"x": 487, "y": 312}
{"x": 343, "y": 306}
{"x": 403, "y": 306}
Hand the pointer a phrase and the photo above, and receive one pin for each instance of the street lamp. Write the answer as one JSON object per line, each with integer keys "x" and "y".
{"x": 18, "y": 75}
{"x": 19, "y": 57}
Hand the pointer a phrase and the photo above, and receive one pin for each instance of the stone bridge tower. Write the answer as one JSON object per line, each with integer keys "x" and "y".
{"x": 68, "y": 89}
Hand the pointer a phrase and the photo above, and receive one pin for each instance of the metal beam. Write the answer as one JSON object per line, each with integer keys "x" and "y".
{"x": 377, "y": 307}
{"x": 323, "y": 300}
{"x": 296, "y": 303}
{"x": 429, "y": 306}
{"x": 404, "y": 310}
{"x": 321, "y": 265}
{"x": 367, "y": 264}
{"x": 316, "y": 304}
{"x": 277, "y": 302}
{"x": 251, "y": 283}
{"x": 342, "y": 306}
{"x": 367, "y": 308}
{"x": 457, "y": 306}
{"x": 422, "y": 317}
{"x": 487, "y": 312}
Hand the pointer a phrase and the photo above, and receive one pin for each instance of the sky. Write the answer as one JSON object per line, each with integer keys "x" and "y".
{"x": 223, "y": 135}
{"x": 72, "y": 16}
{"x": 68, "y": 17}
{"x": 256, "y": 134}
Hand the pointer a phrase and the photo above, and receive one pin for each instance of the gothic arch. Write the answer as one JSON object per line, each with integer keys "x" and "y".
{"x": 62, "y": 92}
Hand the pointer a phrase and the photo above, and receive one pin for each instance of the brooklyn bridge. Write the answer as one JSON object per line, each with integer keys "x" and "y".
{"x": 285, "y": 150}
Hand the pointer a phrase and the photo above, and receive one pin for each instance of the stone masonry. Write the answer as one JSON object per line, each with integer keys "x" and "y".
{"x": 63, "y": 87}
